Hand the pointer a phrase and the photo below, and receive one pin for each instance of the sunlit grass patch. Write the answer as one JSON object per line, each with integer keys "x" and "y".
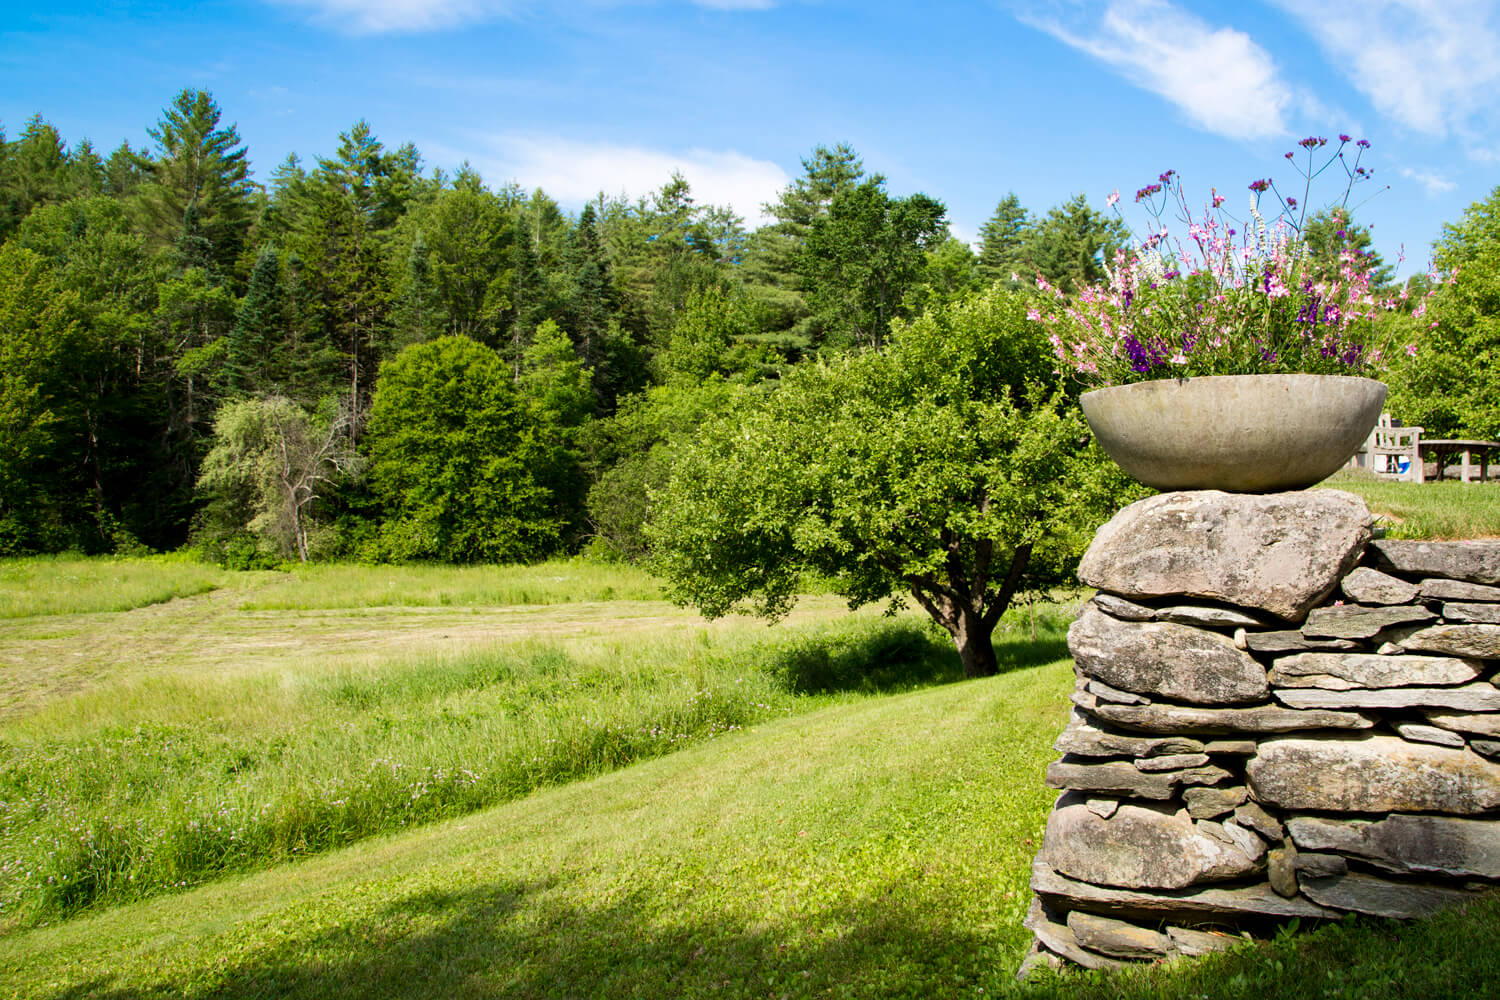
{"x": 70, "y": 584}
{"x": 1437, "y": 510}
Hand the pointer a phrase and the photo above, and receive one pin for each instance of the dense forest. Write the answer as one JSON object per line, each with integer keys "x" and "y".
{"x": 369, "y": 358}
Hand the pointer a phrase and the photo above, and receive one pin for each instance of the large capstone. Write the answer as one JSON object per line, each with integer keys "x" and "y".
{"x": 1138, "y": 847}
{"x": 1376, "y": 774}
{"x": 1280, "y": 552}
{"x": 1175, "y": 661}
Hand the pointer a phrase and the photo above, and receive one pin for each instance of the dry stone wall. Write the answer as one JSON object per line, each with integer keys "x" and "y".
{"x": 1276, "y": 716}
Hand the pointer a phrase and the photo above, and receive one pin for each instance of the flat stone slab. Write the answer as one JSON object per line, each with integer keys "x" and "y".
{"x": 1140, "y": 847}
{"x": 1357, "y": 621}
{"x": 1358, "y": 893}
{"x": 1122, "y": 777}
{"x": 1441, "y": 845}
{"x": 1479, "y": 641}
{"x": 1419, "y": 733}
{"x": 1099, "y": 689}
{"x": 1117, "y": 938}
{"x": 1253, "y": 816}
{"x": 1342, "y": 671}
{"x": 1477, "y": 697}
{"x": 1458, "y": 590}
{"x": 1192, "y": 943}
{"x": 1483, "y": 724}
{"x": 1280, "y": 553}
{"x": 1159, "y": 718}
{"x": 1206, "y": 802}
{"x": 1471, "y": 612}
{"x": 1293, "y": 641}
{"x": 1162, "y": 658}
{"x": 1371, "y": 774}
{"x": 1254, "y": 900}
{"x": 1059, "y": 938}
{"x": 1470, "y": 561}
{"x": 1208, "y": 616}
{"x": 1364, "y": 585}
{"x": 1087, "y": 741}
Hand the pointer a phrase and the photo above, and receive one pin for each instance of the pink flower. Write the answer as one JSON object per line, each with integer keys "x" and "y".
{"x": 1411, "y": 350}
{"x": 1110, "y": 201}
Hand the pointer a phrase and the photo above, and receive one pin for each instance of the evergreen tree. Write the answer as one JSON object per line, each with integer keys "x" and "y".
{"x": 1003, "y": 241}
{"x": 198, "y": 177}
{"x": 1070, "y": 245}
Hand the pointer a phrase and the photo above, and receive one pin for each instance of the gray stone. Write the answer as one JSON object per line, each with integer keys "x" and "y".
{"x": 1373, "y": 774}
{"x": 1139, "y": 847}
{"x": 1120, "y": 777}
{"x": 1206, "y": 803}
{"x": 1377, "y": 897}
{"x": 1161, "y": 658}
{"x": 1233, "y": 748}
{"x": 1443, "y": 845}
{"x": 1281, "y": 870}
{"x": 1209, "y": 828}
{"x": 1210, "y": 902}
{"x": 1088, "y": 741}
{"x": 1245, "y": 840}
{"x": 1103, "y": 808}
{"x": 1428, "y": 734}
{"x": 1486, "y": 748}
{"x": 1260, "y": 719}
{"x": 1357, "y": 621}
{"x": 1191, "y": 943}
{"x": 1209, "y": 616}
{"x": 1099, "y": 689}
{"x": 1483, "y": 614}
{"x": 1292, "y": 641}
{"x": 1057, "y": 937}
{"x": 1172, "y": 762}
{"x": 1255, "y": 817}
{"x": 1484, "y": 724}
{"x": 1470, "y": 561}
{"x": 1281, "y": 552}
{"x": 1478, "y": 697}
{"x": 1037, "y": 958}
{"x": 1117, "y": 938}
{"x": 1481, "y": 641}
{"x": 1457, "y": 590}
{"x": 1119, "y": 607}
{"x": 1342, "y": 671}
{"x": 1370, "y": 586}
{"x": 1320, "y": 865}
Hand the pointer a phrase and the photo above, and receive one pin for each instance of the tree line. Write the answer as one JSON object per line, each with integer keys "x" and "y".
{"x": 269, "y": 371}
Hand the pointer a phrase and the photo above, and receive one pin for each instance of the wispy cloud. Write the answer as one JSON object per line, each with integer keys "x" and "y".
{"x": 1431, "y": 65}
{"x": 1434, "y": 183}
{"x": 1221, "y": 79}
{"x": 573, "y": 172}
{"x": 378, "y": 17}
{"x": 375, "y": 17}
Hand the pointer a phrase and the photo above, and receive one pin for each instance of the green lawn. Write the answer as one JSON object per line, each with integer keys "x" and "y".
{"x": 1438, "y": 510}
{"x": 573, "y": 799}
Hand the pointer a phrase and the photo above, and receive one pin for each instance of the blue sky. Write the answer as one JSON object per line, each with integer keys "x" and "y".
{"x": 965, "y": 101}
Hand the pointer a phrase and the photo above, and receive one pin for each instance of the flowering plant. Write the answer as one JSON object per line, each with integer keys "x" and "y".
{"x": 1235, "y": 297}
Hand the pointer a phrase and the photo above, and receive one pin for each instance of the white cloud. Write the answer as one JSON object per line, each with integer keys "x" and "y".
{"x": 573, "y": 172}
{"x": 1219, "y": 77}
{"x": 1429, "y": 64}
{"x": 1433, "y": 182}
{"x": 372, "y": 17}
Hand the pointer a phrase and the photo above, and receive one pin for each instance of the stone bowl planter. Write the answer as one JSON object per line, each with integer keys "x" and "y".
{"x": 1240, "y": 433}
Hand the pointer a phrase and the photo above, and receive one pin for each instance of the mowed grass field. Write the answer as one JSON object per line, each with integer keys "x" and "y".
{"x": 547, "y": 782}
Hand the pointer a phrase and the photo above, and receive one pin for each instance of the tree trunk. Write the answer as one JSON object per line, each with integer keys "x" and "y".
{"x": 976, "y": 649}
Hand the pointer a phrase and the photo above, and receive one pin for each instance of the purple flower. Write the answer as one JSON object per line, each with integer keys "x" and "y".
{"x": 1313, "y": 142}
{"x": 1363, "y": 144}
{"x": 1259, "y": 186}
{"x": 1343, "y": 138}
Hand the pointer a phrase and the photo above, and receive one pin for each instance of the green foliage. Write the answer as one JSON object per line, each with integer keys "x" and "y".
{"x": 453, "y": 449}
{"x": 861, "y": 258}
{"x": 1071, "y": 243}
{"x": 929, "y": 470}
{"x": 1450, "y": 388}
{"x": 270, "y": 461}
{"x": 1003, "y": 242}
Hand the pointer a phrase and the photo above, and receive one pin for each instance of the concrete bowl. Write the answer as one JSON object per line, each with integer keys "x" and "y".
{"x": 1240, "y": 433}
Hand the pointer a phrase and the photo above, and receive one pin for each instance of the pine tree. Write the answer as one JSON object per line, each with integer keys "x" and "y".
{"x": 1003, "y": 241}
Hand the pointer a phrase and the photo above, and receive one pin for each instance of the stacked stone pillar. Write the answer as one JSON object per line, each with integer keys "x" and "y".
{"x": 1276, "y": 716}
